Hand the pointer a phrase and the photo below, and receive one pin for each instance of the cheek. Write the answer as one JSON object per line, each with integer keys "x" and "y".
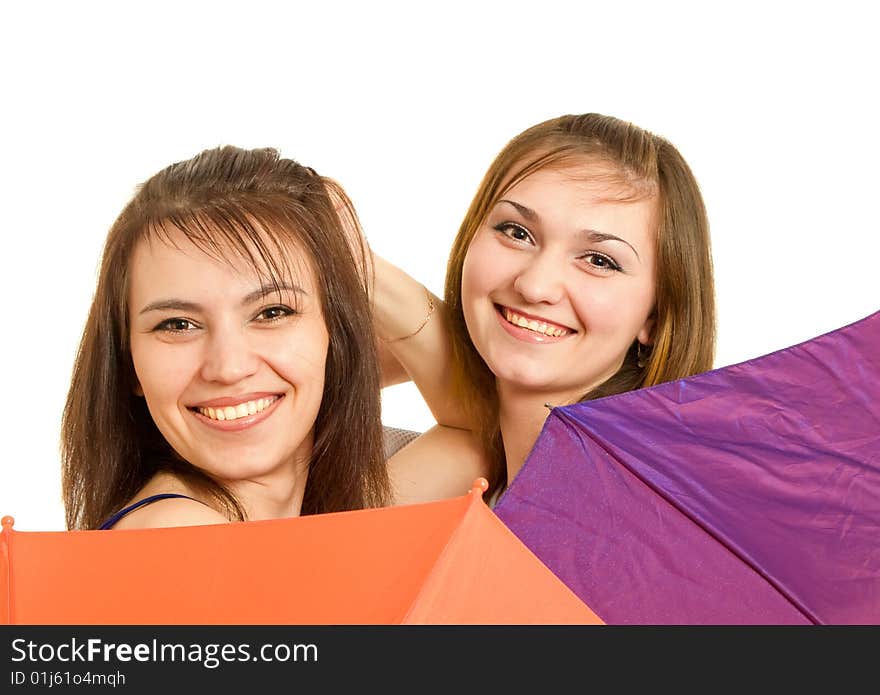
{"x": 301, "y": 360}
{"x": 150, "y": 376}
{"x": 614, "y": 307}
{"x": 478, "y": 272}
{"x": 161, "y": 376}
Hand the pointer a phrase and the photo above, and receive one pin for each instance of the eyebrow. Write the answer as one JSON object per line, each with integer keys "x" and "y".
{"x": 251, "y": 297}
{"x": 591, "y": 234}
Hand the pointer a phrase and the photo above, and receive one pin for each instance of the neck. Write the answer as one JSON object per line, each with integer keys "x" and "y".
{"x": 275, "y": 496}
{"x": 521, "y": 417}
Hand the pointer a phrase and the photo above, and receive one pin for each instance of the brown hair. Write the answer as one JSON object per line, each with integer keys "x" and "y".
{"x": 684, "y": 330}
{"x": 256, "y": 206}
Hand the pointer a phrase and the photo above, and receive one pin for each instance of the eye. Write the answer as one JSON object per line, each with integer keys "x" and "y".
{"x": 175, "y": 325}
{"x": 515, "y": 232}
{"x": 600, "y": 261}
{"x": 274, "y": 313}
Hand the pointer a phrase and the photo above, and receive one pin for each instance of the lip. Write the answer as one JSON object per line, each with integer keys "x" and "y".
{"x": 235, "y": 400}
{"x": 238, "y": 424}
{"x": 524, "y": 334}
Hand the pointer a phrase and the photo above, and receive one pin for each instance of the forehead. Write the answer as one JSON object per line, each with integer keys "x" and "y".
{"x": 591, "y": 178}
{"x": 171, "y": 260}
{"x": 588, "y": 195}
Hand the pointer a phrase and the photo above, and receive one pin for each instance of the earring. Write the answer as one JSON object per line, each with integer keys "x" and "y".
{"x": 641, "y": 360}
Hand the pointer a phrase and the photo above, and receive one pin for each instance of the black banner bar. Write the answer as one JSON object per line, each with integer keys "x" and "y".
{"x": 337, "y": 658}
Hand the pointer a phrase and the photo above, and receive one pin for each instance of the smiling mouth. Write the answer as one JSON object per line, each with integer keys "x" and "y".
{"x": 234, "y": 412}
{"x": 536, "y": 326}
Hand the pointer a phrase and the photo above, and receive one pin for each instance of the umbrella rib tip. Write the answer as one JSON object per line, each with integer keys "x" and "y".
{"x": 479, "y": 487}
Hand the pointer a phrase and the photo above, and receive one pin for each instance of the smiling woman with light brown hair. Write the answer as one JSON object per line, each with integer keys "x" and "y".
{"x": 582, "y": 269}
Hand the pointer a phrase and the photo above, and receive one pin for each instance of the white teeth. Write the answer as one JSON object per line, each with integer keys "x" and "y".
{"x": 238, "y": 411}
{"x": 532, "y": 325}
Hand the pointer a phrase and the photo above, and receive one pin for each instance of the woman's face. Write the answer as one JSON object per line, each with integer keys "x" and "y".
{"x": 232, "y": 370}
{"x": 559, "y": 281}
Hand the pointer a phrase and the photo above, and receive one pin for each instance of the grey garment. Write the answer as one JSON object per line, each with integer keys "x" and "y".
{"x": 396, "y": 439}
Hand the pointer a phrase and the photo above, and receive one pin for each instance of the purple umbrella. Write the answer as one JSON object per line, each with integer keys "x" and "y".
{"x": 748, "y": 494}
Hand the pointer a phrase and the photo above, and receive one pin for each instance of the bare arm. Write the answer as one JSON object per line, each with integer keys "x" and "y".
{"x": 410, "y": 324}
{"x": 445, "y": 461}
{"x": 392, "y": 370}
{"x": 414, "y": 341}
{"x": 441, "y": 463}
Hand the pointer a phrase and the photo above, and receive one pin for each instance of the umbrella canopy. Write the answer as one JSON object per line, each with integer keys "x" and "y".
{"x": 748, "y": 494}
{"x": 449, "y": 562}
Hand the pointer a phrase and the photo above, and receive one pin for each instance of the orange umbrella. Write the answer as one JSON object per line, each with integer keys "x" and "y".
{"x": 448, "y": 562}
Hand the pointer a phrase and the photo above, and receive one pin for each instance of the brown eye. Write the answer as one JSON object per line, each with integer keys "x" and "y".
{"x": 601, "y": 261}
{"x": 274, "y": 313}
{"x": 175, "y": 325}
{"x": 514, "y": 231}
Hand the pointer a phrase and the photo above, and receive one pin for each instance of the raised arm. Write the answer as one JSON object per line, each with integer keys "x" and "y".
{"x": 413, "y": 340}
{"x": 409, "y": 321}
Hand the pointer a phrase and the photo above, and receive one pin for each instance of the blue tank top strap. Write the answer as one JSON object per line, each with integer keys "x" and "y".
{"x": 111, "y": 522}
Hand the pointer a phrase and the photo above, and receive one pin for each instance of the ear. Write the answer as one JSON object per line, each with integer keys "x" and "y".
{"x": 646, "y": 333}
{"x": 138, "y": 391}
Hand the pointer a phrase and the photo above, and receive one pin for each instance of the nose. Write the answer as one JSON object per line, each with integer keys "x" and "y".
{"x": 229, "y": 357}
{"x": 540, "y": 280}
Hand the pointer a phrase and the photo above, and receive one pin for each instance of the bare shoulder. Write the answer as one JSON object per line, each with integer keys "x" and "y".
{"x": 441, "y": 463}
{"x": 172, "y": 511}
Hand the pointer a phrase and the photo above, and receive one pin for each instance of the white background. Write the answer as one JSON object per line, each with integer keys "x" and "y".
{"x": 773, "y": 104}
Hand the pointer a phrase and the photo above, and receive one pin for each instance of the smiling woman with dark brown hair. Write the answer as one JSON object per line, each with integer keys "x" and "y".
{"x": 227, "y": 368}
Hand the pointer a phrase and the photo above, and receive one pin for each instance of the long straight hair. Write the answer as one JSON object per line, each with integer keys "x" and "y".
{"x": 248, "y": 205}
{"x": 684, "y": 329}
